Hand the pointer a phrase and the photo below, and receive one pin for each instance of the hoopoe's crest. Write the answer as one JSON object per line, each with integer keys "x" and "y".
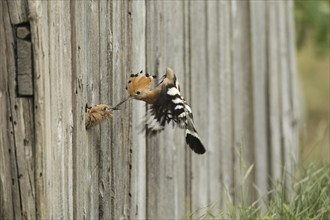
{"x": 167, "y": 105}
{"x": 139, "y": 85}
{"x": 94, "y": 115}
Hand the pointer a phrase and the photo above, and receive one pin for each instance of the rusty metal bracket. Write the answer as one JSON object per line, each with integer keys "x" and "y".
{"x": 24, "y": 62}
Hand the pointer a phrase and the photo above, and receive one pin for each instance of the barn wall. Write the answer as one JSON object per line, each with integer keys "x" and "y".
{"x": 236, "y": 65}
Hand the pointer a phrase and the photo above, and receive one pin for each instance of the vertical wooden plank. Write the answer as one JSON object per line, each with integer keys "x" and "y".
{"x": 105, "y": 162}
{"x": 187, "y": 92}
{"x": 258, "y": 55}
{"x": 242, "y": 106}
{"x": 155, "y": 173}
{"x": 295, "y": 98}
{"x": 87, "y": 70}
{"x": 18, "y": 11}
{"x": 273, "y": 92}
{"x": 225, "y": 117}
{"x": 214, "y": 168}
{"x": 67, "y": 111}
{"x": 7, "y": 203}
{"x": 120, "y": 126}
{"x": 9, "y": 206}
{"x": 23, "y": 135}
{"x": 53, "y": 100}
{"x": 166, "y": 151}
{"x": 59, "y": 156}
{"x": 77, "y": 103}
{"x": 199, "y": 84}
{"x": 22, "y": 132}
{"x": 81, "y": 173}
{"x": 285, "y": 111}
{"x": 175, "y": 150}
{"x": 137, "y": 18}
{"x": 42, "y": 108}
{"x": 91, "y": 43}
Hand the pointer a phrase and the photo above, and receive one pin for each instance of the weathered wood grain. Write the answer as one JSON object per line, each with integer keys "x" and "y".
{"x": 85, "y": 145}
{"x": 153, "y": 152}
{"x": 214, "y": 167}
{"x": 120, "y": 138}
{"x": 165, "y": 156}
{"x": 295, "y": 97}
{"x": 18, "y": 11}
{"x": 285, "y": 110}
{"x": 242, "y": 108}
{"x": 199, "y": 102}
{"x": 9, "y": 201}
{"x": 105, "y": 63}
{"x": 274, "y": 92}
{"x": 175, "y": 149}
{"x": 187, "y": 93}
{"x": 41, "y": 106}
{"x": 90, "y": 45}
{"x": 21, "y": 134}
{"x": 79, "y": 82}
{"x": 225, "y": 97}
{"x": 137, "y": 21}
{"x": 259, "y": 100}
{"x": 58, "y": 153}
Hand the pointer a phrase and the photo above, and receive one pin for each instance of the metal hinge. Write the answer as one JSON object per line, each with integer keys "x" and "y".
{"x": 24, "y": 58}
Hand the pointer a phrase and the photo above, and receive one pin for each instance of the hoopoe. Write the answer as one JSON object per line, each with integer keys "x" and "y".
{"x": 167, "y": 105}
{"x": 94, "y": 115}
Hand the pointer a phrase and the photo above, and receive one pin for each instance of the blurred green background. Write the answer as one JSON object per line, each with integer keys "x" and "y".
{"x": 313, "y": 60}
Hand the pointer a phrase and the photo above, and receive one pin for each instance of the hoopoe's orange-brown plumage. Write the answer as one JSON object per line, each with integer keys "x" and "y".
{"x": 167, "y": 105}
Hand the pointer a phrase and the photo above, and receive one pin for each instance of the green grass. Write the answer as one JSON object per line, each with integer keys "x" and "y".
{"x": 309, "y": 200}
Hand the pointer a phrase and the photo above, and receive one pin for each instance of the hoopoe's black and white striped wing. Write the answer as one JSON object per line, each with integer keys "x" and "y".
{"x": 171, "y": 107}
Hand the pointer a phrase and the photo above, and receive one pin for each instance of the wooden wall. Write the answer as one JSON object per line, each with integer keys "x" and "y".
{"x": 236, "y": 64}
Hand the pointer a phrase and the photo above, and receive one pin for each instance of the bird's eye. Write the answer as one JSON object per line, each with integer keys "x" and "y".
{"x": 105, "y": 108}
{"x": 138, "y": 92}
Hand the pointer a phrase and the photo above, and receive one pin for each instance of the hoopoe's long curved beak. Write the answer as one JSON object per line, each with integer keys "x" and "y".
{"x": 120, "y": 103}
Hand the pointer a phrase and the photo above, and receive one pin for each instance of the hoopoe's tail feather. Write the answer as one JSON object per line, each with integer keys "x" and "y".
{"x": 194, "y": 142}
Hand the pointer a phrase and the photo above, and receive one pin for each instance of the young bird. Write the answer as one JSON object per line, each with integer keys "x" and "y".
{"x": 96, "y": 114}
{"x": 167, "y": 105}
